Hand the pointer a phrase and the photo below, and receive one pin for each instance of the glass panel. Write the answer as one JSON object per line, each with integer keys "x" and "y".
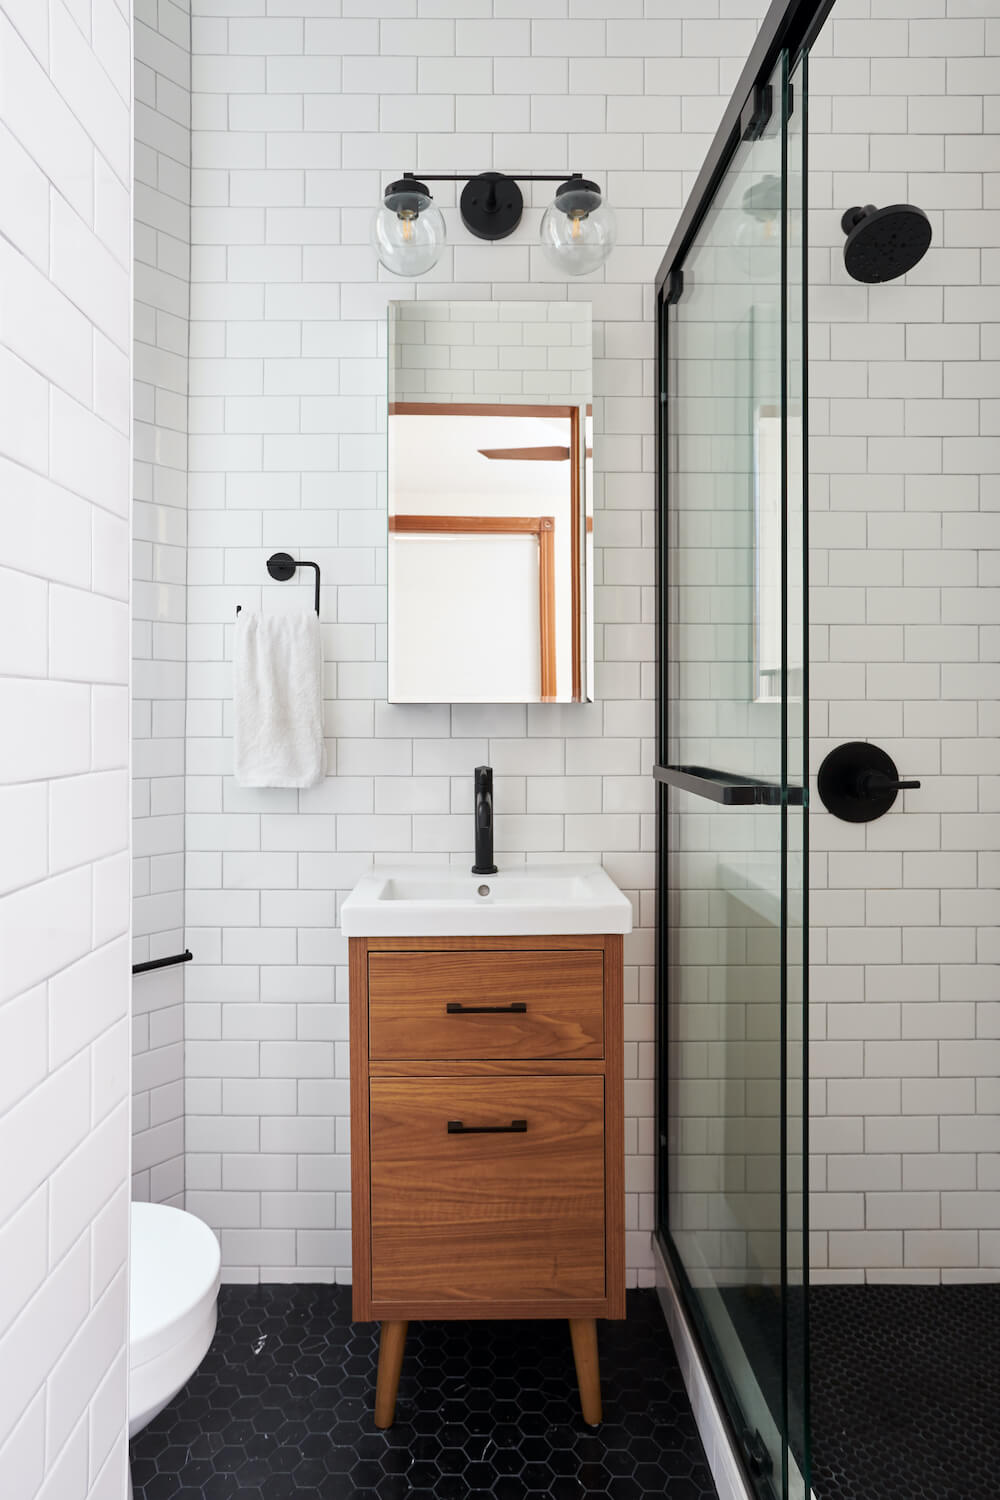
{"x": 732, "y": 899}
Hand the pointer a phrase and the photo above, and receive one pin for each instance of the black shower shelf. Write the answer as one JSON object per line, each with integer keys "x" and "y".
{"x": 726, "y": 787}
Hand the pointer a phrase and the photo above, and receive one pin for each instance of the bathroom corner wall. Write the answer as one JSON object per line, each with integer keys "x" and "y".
{"x": 162, "y": 293}
{"x": 905, "y": 561}
{"x": 65, "y": 247}
{"x": 299, "y": 120}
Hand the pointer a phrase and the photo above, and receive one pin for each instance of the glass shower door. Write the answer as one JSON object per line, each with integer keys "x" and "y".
{"x": 732, "y": 815}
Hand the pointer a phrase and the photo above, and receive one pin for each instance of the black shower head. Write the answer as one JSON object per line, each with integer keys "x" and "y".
{"x": 883, "y": 243}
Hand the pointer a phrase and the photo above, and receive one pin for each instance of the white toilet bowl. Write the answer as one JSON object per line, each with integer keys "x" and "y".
{"x": 174, "y": 1284}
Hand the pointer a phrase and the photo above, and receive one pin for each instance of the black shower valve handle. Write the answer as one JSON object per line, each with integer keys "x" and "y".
{"x": 859, "y": 782}
{"x": 876, "y": 784}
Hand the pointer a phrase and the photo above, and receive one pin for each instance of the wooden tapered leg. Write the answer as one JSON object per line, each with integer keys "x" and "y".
{"x": 583, "y": 1332}
{"x": 392, "y": 1342}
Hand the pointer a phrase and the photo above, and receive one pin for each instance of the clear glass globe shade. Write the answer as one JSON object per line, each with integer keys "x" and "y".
{"x": 408, "y": 246}
{"x": 578, "y": 244}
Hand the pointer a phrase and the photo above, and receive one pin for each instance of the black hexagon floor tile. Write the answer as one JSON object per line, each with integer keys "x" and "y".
{"x": 905, "y": 1386}
{"x": 282, "y": 1408}
{"x": 906, "y": 1392}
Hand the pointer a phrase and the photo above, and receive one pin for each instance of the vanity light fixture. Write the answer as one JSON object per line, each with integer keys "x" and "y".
{"x": 408, "y": 231}
{"x": 578, "y": 227}
{"x": 577, "y": 231}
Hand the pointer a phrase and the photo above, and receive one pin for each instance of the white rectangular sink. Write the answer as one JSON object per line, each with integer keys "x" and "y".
{"x": 445, "y": 901}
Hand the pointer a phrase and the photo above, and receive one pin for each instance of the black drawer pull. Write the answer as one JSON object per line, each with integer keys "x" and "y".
{"x": 516, "y": 1127}
{"x": 455, "y": 1008}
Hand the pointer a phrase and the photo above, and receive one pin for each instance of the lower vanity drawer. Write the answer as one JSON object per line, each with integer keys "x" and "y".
{"x": 510, "y": 1005}
{"x": 465, "y": 1208}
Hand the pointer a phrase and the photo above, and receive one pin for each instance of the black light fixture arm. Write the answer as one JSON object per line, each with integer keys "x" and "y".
{"x": 509, "y": 176}
{"x": 491, "y": 203}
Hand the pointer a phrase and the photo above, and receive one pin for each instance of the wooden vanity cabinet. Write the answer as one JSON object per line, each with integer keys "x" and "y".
{"x": 487, "y": 1137}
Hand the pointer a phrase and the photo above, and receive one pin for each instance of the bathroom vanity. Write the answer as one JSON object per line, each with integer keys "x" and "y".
{"x": 487, "y": 1124}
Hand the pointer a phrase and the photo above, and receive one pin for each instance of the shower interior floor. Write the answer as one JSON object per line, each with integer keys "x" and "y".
{"x": 905, "y": 1387}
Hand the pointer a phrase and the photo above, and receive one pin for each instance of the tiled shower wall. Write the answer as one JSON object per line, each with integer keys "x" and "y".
{"x": 905, "y": 558}
{"x": 162, "y": 281}
{"x": 299, "y": 120}
{"x": 65, "y": 233}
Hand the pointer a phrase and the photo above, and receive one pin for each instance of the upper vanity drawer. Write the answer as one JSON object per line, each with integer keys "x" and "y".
{"x": 518, "y": 1004}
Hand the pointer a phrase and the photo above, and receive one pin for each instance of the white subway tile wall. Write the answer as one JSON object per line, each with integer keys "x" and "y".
{"x": 905, "y": 556}
{"x": 65, "y": 243}
{"x": 299, "y": 120}
{"x": 162, "y": 230}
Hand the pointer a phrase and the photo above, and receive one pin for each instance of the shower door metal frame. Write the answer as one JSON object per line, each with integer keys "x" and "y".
{"x": 789, "y": 27}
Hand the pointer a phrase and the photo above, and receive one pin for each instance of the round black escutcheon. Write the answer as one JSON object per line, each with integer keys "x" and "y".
{"x": 858, "y": 782}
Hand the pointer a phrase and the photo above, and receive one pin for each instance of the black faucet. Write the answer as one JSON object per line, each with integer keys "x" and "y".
{"x": 484, "y": 822}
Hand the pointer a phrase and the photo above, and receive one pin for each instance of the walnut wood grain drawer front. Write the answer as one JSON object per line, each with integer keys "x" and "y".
{"x": 488, "y": 1188}
{"x": 444, "y": 1006}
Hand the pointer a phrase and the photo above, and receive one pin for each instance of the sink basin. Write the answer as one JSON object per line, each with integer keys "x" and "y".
{"x": 443, "y": 901}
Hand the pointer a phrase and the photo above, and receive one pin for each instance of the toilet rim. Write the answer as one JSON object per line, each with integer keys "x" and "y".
{"x": 174, "y": 1277}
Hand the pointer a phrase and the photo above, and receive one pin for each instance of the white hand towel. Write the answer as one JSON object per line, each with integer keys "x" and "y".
{"x": 278, "y": 697}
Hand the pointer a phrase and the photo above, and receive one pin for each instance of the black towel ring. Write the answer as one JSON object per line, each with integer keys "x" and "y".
{"x": 281, "y": 565}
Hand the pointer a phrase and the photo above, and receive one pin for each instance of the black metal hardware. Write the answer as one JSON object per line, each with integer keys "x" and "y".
{"x": 163, "y": 963}
{"x": 282, "y": 566}
{"x": 675, "y": 285}
{"x": 858, "y": 782}
{"x": 516, "y": 1127}
{"x": 483, "y": 809}
{"x": 514, "y": 176}
{"x": 756, "y": 1453}
{"x": 455, "y": 1008}
{"x": 791, "y": 26}
{"x": 883, "y": 243}
{"x": 726, "y": 787}
{"x": 491, "y": 203}
{"x": 876, "y": 784}
{"x": 756, "y": 112}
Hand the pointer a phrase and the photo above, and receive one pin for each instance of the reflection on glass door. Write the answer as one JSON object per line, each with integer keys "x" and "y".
{"x": 732, "y": 814}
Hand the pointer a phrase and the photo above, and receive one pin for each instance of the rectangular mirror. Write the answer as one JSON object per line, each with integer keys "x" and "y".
{"x": 490, "y": 502}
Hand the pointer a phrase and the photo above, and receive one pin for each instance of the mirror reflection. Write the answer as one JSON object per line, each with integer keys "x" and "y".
{"x": 490, "y": 502}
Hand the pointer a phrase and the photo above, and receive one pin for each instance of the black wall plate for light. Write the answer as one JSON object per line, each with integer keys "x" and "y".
{"x": 491, "y": 205}
{"x": 858, "y": 782}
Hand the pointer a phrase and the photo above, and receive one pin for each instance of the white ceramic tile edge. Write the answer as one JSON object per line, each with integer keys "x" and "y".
{"x": 471, "y": 910}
